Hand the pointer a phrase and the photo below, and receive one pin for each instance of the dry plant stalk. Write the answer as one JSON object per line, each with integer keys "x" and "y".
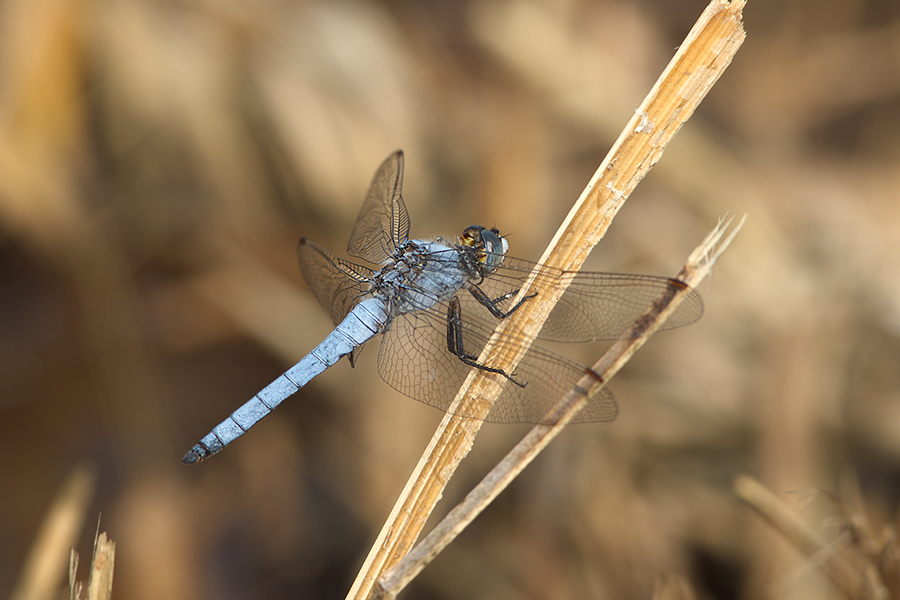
{"x": 43, "y": 572}
{"x": 100, "y": 580}
{"x": 834, "y": 561}
{"x": 697, "y": 267}
{"x": 699, "y": 62}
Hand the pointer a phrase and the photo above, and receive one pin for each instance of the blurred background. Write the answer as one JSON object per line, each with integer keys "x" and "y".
{"x": 159, "y": 160}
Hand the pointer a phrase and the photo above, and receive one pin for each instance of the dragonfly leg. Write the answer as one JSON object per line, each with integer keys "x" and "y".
{"x": 492, "y": 305}
{"x": 455, "y": 342}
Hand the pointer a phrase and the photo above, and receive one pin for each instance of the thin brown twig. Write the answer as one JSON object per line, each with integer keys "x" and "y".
{"x": 788, "y": 523}
{"x": 695, "y": 269}
{"x": 700, "y": 60}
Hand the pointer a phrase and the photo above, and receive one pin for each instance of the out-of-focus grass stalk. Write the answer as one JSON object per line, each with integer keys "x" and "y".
{"x": 855, "y": 575}
{"x": 44, "y": 568}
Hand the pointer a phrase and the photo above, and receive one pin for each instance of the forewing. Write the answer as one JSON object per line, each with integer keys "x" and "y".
{"x": 595, "y": 306}
{"x": 414, "y": 360}
{"x": 383, "y": 223}
{"x": 603, "y": 305}
{"x": 337, "y": 283}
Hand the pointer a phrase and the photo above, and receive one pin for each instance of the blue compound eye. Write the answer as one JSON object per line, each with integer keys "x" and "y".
{"x": 495, "y": 248}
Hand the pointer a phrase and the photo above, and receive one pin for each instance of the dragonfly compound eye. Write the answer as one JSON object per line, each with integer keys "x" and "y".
{"x": 495, "y": 248}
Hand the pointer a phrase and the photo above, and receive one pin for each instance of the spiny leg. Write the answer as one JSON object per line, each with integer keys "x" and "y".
{"x": 455, "y": 342}
{"x": 491, "y": 305}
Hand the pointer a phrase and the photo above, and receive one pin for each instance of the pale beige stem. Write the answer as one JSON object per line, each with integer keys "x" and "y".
{"x": 700, "y": 60}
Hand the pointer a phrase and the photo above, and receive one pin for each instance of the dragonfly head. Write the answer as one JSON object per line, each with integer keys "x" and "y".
{"x": 488, "y": 245}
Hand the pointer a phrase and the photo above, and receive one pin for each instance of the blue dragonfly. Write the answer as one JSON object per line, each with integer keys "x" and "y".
{"x": 436, "y": 302}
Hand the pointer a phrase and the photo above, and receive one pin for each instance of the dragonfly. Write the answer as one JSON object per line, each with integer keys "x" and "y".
{"x": 436, "y": 302}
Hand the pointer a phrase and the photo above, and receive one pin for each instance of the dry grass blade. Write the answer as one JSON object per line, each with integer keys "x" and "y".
{"x": 100, "y": 584}
{"x": 100, "y": 580}
{"x": 695, "y": 269}
{"x": 700, "y": 60}
{"x": 43, "y": 572}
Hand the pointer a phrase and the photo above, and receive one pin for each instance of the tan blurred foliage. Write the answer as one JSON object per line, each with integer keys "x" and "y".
{"x": 160, "y": 158}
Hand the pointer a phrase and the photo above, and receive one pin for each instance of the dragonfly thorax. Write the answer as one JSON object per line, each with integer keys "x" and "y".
{"x": 421, "y": 274}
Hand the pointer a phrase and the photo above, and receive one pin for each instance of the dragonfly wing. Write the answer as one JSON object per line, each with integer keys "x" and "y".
{"x": 548, "y": 377}
{"x": 414, "y": 360}
{"x": 604, "y": 305}
{"x": 383, "y": 223}
{"x": 595, "y": 306}
{"x": 337, "y": 283}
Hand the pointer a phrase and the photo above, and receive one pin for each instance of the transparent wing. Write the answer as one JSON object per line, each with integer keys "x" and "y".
{"x": 383, "y": 223}
{"x": 415, "y": 361}
{"x": 338, "y": 284}
{"x": 595, "y": 306}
